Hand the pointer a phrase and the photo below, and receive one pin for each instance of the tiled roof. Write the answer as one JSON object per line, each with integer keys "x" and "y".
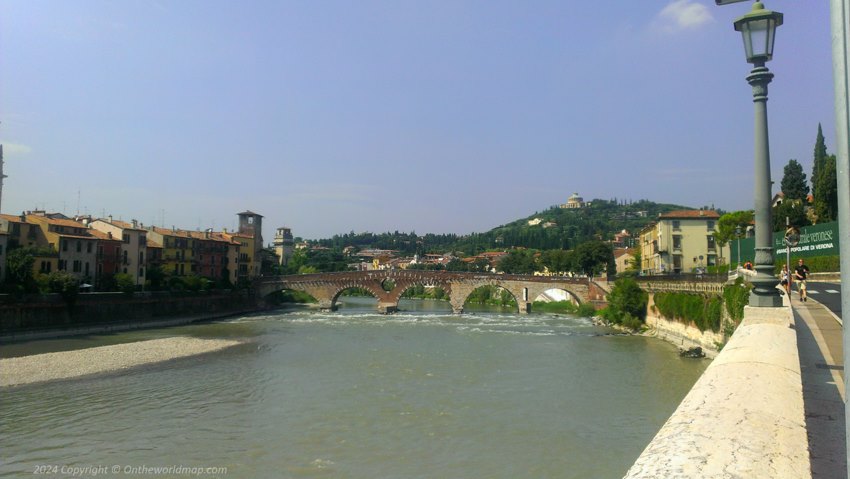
{"x": 122, "y": 224}
{"x": 102, "y": 236}
{"x": 153, "y": 244}
{"x": 249, "y": 212}
{"x": 57, "y": 221}
{"x": 15, "y": 218}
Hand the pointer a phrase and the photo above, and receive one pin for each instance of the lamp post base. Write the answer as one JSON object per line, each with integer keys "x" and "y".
{"x": 764, "y": 293}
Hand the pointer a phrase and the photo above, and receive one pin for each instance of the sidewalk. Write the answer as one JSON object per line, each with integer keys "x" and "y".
{"x": 820, "y": 341}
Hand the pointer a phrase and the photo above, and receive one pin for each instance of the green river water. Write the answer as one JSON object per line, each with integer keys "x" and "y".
{"x": 353, "y": 394}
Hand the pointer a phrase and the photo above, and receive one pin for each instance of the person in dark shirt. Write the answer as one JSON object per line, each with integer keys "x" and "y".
{"x": 801, "y": 273}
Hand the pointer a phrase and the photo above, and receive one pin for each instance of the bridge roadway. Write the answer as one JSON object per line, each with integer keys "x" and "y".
{"x": 389, "y": 285}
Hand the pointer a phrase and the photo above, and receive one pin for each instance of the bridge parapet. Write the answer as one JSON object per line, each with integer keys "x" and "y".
{"x": 744, "y": 417}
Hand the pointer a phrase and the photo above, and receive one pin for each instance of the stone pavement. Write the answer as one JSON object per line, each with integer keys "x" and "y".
{"x": 820, "y": 342}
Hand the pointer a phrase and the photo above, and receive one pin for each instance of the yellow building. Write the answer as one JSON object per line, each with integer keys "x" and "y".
{"x": 680, "y": 242}
{"x": 178, "y": 256}
{"x": 247, "y": 262}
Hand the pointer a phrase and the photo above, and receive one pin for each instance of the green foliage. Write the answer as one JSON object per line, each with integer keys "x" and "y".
{"x": 826, "y": 187}
{"x": 727, "y": 224}
{"x": 736, "y": 297}
{"x": 421, "y": 292}
{"x": 125, "y": 283}
{"x": 492, "y": 295}
{"x": 793, "y": 210}
{"x": 518, "y": 262}
{"x": 19, "y": 264}
{"x": 558, "y": 260}
{"x": 65, "y": 284}
{"x": 824, "y": 182}
{"x": 155, "y": 278}
{"x": 592, "y": 256}
{"x": 566, "y": 229}
{"x": 704, "y": 311}
{"x": 289, "y": 296}
{"x": 816, "y": 264}
{"x": 794, "y": 185}
{"x": 626, "y": 304}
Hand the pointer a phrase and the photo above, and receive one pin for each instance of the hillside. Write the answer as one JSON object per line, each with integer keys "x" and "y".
{"x": 554, "y": 228}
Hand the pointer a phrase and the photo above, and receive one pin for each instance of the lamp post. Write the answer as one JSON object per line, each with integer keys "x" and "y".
{"x": 738, "y": 235}
{"x": 759, "y": 29}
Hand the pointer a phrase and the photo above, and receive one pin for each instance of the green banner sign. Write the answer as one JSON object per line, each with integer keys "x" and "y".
{"x": 815, "y": 240}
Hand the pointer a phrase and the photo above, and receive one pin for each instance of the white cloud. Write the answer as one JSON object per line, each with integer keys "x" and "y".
{"x": 15, "y": 149}
{"x": 682, "y": 15}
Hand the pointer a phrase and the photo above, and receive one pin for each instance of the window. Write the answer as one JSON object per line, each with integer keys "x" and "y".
{"x": 677, "y": 225}
{"x": 88, "y": 247}
{"x": 79, "y": 246}
{"x": 710, "y": 226}
{"x": 125, "y": 257}
{"x": 142, "y": 240}
{"x": 87, "y": 268}
{"x": 711, "y": 242}
{"x": 677, "y": 242}
{"x": 125, "y": 237}
{"x": 78, "y": 265}
{"x": 64, "y": 245}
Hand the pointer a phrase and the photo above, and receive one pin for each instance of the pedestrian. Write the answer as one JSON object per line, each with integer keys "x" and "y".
{"x": 784, "y": 281}
{"x": 801, "y": 273}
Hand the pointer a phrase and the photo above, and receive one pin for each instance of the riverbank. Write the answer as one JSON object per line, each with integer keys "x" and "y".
{"x": 84, "y": 362}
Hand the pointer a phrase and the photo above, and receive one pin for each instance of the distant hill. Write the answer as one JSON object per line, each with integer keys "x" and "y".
{"x": 554, "y": 228}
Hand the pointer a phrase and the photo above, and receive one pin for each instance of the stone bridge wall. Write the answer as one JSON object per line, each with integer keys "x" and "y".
{"x": 744, "y": 417}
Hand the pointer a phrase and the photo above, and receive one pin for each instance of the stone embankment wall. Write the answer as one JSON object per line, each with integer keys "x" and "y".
{"x": 685, "y": 336}
{"x": 744, "y": 417}
{"x": 31, "y": 315}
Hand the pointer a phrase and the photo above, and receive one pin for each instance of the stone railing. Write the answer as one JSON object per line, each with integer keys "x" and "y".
{"x": 744, "y": 417}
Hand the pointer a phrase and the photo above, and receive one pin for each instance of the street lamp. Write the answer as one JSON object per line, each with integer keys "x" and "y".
{"x": 738, "y": 235}
{"x": 759, "y": 31}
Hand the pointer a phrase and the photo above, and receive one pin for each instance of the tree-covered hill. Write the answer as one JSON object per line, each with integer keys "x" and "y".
{"x": 554, "y": 228}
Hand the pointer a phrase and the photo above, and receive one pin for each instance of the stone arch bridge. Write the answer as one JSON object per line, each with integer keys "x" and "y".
{"x": 327, "y": 287}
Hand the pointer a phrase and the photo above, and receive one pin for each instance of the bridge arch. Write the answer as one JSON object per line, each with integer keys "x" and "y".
{"x": 557, "y": 294}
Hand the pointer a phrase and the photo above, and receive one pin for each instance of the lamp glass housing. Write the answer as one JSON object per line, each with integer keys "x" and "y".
{"x": 758, "y": 29}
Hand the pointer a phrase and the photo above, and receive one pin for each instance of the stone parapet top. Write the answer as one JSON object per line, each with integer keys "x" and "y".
{"x": 744, "y": 417}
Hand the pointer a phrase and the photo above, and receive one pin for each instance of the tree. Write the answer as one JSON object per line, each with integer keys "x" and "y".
{"x": 628, "y": 298}
{"x": 820, "y": 157}
{"x": 727, "y": 224}
{"x": 826, "y": 188}
{"x": 19, "y": 263}
{"x": 557, "y": 260}
{"x": 125, "y": 283}
{"x": 65, "y": 284}
{"x": 794, "y": 185}
{"x": 592, "y": 256}
{"x": 518, "y": 262}
{"x": 791, "y": 209}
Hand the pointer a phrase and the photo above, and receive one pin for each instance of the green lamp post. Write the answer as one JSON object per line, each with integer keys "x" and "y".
{"x": 759, "y": 31}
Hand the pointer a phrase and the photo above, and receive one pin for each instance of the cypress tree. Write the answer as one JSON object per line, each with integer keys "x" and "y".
{"x": 820, "y": 157}
{"x": 826, "y": 201}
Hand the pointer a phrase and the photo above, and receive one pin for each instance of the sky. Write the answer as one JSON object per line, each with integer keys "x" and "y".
{"x": 438, "y": 116}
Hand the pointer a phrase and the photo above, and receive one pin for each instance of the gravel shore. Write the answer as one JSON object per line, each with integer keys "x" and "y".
{"x": 71, "y": 364}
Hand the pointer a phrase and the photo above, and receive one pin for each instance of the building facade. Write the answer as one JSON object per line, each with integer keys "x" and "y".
{"x": 680, "y": 242}
{"x": 133, "y": 238}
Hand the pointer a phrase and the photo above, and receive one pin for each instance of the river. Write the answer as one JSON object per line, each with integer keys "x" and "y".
{"x": 353, "y": 394}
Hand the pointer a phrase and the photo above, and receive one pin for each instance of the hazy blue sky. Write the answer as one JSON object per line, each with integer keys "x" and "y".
{"x": 434, "y": 116}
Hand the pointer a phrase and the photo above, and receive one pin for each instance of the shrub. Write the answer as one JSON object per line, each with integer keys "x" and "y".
{"x": 704, "y": 311}
{"x": 125, "y": 283}
{"x": 626, "y": 304}
{"x": 736, "y": 297}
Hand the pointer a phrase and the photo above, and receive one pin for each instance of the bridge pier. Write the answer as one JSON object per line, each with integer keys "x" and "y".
{"x": 327, "y": 305}
{"x": 387, "y": 308}
{"x": 524, "y": 308}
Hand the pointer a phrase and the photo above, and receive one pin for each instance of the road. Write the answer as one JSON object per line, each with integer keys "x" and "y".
{"x": 828, "y": 294}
